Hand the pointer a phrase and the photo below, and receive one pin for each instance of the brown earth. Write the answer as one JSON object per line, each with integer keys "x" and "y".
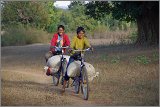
{"x": 125, "y": 82}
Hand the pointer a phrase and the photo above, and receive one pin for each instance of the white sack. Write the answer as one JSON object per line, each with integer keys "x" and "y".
{"x": 54, "y": 62}
{"x": 74, "y": 70}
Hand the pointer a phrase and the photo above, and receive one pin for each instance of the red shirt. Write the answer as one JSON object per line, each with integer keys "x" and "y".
{"x": 66, "y": 41}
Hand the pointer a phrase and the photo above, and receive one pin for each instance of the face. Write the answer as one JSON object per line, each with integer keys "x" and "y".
{"x": 61, "y": 31}
{"x": 80, "y": 34}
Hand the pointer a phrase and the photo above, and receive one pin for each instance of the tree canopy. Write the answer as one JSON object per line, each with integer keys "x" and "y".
{"x": 26, "y": 12}
{"x": 144, "y": 13}
{"x": 115, "y": 15}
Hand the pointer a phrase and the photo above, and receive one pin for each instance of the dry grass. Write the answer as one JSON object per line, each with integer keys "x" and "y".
{"x": 122, "y": 81}
{"x": 20, "y": 35}
{"x": 114, "y": 35}
{"x": 125, "y": 82}
{"x": 29, "y": 89}
{"x": 126, "y": 85}
{"x": 106, "y": 37}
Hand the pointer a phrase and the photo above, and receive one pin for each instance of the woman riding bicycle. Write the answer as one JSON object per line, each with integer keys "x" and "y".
{"x": 60, "y": 39}
{"x": 78, "y": 42}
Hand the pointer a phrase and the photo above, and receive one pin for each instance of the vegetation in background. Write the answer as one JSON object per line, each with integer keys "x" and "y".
{"x": 155, "y": 56}
{"x": 142, "y": 59}
{"x": 21, "y": 35}
{"x": 30, "y": 13}
{"x": 101, "y": 19}
{"x": 144, "y": 13}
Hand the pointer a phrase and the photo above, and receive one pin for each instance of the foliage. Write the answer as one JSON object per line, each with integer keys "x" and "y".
{"x": 78, "y": 17}
{"x": 133, "y": 36}
{"x": 102, "y": 11}
{"x": 115, "y": 59}
{"x": 155, "y": 56}
{"x": 142, "y": 59}
{"x": 121, "y": 10}
{"x": 44, "y": 16}
{"x": 25, "y": 12}
{"x": 22, "y": 35}
{"x": 144, "y": 13}
{"x": 97, "y": 9}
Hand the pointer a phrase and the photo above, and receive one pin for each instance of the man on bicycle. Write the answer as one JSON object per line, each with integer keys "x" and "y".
{"x": 60, "y": 39}
{"x": 78, "y": 42}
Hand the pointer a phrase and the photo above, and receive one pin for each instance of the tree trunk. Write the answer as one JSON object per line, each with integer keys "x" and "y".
{"x": 148, "y": 25}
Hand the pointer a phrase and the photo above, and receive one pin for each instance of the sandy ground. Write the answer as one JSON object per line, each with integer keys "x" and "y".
{"x": 24, "y": 82}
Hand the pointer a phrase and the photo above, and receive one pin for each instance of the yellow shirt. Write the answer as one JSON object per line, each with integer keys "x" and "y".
{"x": 77, "y": 43}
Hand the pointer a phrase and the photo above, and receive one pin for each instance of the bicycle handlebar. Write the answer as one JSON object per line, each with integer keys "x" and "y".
{"x": 60, "y": 47}
{"x": 79, "y": 50}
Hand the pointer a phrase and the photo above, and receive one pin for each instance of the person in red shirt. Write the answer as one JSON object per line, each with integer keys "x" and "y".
{"x": 60, "y": 39}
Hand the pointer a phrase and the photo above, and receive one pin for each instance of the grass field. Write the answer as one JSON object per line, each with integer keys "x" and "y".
{"x": 129, "y": 75}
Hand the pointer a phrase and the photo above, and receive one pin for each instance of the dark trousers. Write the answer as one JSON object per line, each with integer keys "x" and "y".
{"x": 71, "y": 59}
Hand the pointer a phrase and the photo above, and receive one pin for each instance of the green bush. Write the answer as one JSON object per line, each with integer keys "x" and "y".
{"x": 133, "y": 36}
{"x": 104, "y": 57}
{"x": 155, "y": 56}
{"x": 142, "y": 59}
{"x": 22, "y": 35}
{"x": 115, "y": 59}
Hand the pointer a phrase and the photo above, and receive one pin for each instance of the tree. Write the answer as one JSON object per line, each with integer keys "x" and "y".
{"x": 25, "y": 12}
{"x": 79, "y": 18}
{"x": 97, "y": 9}
{"x": 144, "y": 13}
{"x": 54, "y": 15}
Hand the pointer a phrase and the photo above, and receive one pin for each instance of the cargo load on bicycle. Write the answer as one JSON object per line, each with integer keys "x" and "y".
{"x": 55, "y": 61}
{"x": 73, "y": 68}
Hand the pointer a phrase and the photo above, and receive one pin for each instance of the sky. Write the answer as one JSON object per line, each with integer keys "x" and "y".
{"x": 62, "y": 4}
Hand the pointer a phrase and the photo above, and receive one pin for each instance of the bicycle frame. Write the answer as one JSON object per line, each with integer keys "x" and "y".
{"x": 62, "y": 55}
{"x": 82, "y": 62}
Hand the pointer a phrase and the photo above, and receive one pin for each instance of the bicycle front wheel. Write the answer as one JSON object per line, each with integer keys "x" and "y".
{"x": 55, "y": 80}
{"x": 84, "y": 84}
{"x": 63, "y": 70}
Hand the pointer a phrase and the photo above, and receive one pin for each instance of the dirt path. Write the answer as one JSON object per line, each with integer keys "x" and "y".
{"x": 30, "y": 80}
{"x": 124, "y": 83}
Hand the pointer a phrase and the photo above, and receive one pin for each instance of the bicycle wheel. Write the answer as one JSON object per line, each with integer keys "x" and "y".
{"x": 63, "y": 70}
{"x": 76, "y": 86}
{"x": 85, "y": 85}
{"x": 55, "y": 80}
{"x": 56, "y": 77}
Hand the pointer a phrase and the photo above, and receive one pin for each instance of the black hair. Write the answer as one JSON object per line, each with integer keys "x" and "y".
{"x": 61, "y": 26}
{"x": 80, "y": 29}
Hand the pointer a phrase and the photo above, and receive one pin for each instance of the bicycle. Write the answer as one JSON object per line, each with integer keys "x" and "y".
{"x": 82, "y": 79}
{"x": 62, "y": 68}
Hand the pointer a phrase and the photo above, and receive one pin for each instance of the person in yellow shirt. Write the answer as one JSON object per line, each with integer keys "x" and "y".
{"x": 78, "y": 42}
